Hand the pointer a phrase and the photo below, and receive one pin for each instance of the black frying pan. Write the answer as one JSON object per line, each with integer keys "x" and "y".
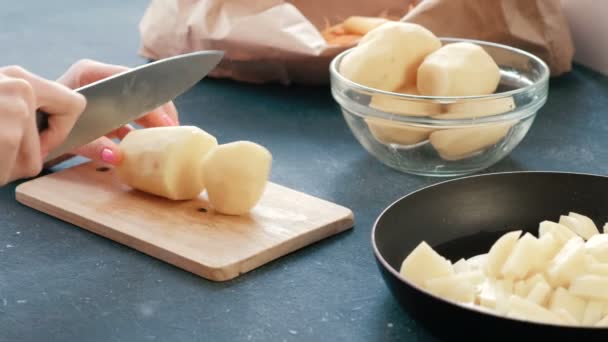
{"x": 462, "y": 218}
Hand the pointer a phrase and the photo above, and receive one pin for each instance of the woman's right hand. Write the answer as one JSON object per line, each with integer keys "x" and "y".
{"x": 22, "y": 148}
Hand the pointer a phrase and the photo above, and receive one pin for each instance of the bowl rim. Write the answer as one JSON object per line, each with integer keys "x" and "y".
{"x": 398, "y": 276}
{"x": 518, "y": 114}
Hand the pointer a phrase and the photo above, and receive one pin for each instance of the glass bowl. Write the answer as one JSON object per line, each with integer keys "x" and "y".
{"x": 446, "y": 136}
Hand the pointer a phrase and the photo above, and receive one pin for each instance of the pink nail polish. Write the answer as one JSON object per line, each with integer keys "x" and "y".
{"x": 107, "y": 155}
{"x": 169, "y": 120}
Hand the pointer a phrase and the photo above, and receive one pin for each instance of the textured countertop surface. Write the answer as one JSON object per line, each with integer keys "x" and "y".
{"x": 61, "y": 283}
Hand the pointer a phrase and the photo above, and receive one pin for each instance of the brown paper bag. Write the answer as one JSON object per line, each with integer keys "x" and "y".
{"x": 280, "y": 41}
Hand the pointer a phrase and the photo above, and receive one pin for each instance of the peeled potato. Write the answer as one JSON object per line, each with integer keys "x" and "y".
{"x": 499, "y": 253}
{"x": 477, "y": 108}
{"x": 362, "y": 25}
{"x": 460, "y": 143}
{"x": 519, "y": 262}
{"x": 388, "y": 56}
{"x": 235, "y": 175}
{"x": 458, "y": 69}
{"x": 563, "y": 299}
{"x": 423, "y": 263}
{"x": 568, "y": 263}
{"x": 590, "y": 286}
{"x": 395, "y": 132}
{"x": 165, "y": 161}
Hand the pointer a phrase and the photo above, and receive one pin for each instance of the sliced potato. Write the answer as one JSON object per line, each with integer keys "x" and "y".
{"x": 499, "y": 252}
{"x": 593, "y": 312}
{"x": 548, "y": 246}
{"x": 461, "y": 143}
{"x": 597, "y": 269}
{"x": 563, "y": 299}
{"x": 165, "y": 161}
{"x": 521, "y": 260}
{"x": 457, "y": 287}
{"x": 236, "y": 175}
{"x": 566, "y": 317}
{"x": 423, "y": 263}
{"x": 458, "y": 69}
{"x": 603, "y": 322}
{"x": 577, "y": 226}
{"x": 520, "y": 288}
{"x": 590, "y": 286}
{"x": 540, "y": 293}
{"x": 527, "y": 310}
{"x": 461, "y": 266}
{"x": 590, "y": 228}
{"x": 388, "y": 56}
{"x": 560, "y": 231}
{"x": 597, "y": 246}
{"x": 477, "y": 262}
{"x": 568, "y": 263}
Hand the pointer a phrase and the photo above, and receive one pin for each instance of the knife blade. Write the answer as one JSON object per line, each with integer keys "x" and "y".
{"x": 115, "y": 101}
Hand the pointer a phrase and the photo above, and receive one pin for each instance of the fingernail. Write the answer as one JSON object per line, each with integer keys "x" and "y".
{"x": 169, "y": 120}
{"x": 107, "y": 155}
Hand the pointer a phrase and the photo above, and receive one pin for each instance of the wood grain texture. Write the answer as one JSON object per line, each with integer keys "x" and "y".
{"x": 215, "y": 246}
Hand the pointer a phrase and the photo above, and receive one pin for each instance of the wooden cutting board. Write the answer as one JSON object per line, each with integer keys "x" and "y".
{"x": 187, "y": 234}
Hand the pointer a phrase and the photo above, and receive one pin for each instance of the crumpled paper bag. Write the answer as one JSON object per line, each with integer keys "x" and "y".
{"x": 280, "y": 40}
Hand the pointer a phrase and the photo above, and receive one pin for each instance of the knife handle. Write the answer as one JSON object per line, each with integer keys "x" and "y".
{"x": 42, "y": 120}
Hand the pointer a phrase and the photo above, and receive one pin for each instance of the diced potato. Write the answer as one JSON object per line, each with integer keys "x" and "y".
{"x": 394, "y": 132}
{"x": 603, "y": 322}
{"x": 362, "y": 25}
{"x": 597, "y": 246}
{"x": 540, "y": 293}
{"x": 423, "y": 263}
{"x": 527, "y": 310}
{"x": 589, "y": 229}
{"x": 562, "y": 299}
{"x": 477, "y": 262}
{"x": 590, "y": 286}
{"x": 597, "y": 269}
{"x": 566, "y": 317}
{"x": 165, "y": 161}
{"x": 461, "y": 266}
{"x": 560, "y": 231}
{"x": 235, "y": 175}
{"x": 457, "y": 287}
{"x": 388, "y": 56}
{"x": 499, "y": 252}
{"x": 460, "y": 143}
{"x": 548, "y": 247}
{"x": 476, "y": 108}
{"x": 533, "y": 281}
{"x": 458, "y": 69}
{"x": 568, "y": 263}
{"x": 521, "y": 260}
{"x": 520, "y": 288}
{"x": 593, "y": 312}
{"x": 576, "y": 225}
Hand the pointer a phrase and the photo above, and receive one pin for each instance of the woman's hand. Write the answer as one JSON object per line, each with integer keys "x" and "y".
{"x": 104, "y": 149}
{"x": 22, "y": 148}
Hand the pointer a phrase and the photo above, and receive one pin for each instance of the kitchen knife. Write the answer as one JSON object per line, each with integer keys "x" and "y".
{"x": 115, "y": 101}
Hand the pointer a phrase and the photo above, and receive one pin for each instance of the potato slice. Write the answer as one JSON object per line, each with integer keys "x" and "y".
{"x": 593, "y": 312}
{"x": 459, "y": 143}
{"x": 476, "y": 108}
{"x": 236, "y": 175}
{"x": 578, "y": 226}
{"x": 388, "y": 56}
{"x": 566, "y": 317}
{"x": 562, "y": 299}
{"x": 597, "y": 269}
{"x": 520, "y": 288}
{"x": 494, "y": 294}
{"x": 590, "y": 286}
{"x": 521, "y": 260}
{"x": 461, "y": 266}
{"x": 457, "y": 287}
{"x": 362, "y": 25}
{"x": 558, "y": 230}
{"x": 532, "y": 282}
{"x": 540, "y": 293}
{"x": 603, "y": 322}
{"x": 590, "y": 228}
{"x": 165, "y": 161}
{"x": 423, "y": 263}
{"x": 597, "y": 246}
{"x": 568, "y": 263}
{"x": 527, "y": 310}
{"x": 458, "y": 69}
{"x": 548, "y": 247}
{"x": 499, "y": 252}
{"x": 477, "y": 262}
